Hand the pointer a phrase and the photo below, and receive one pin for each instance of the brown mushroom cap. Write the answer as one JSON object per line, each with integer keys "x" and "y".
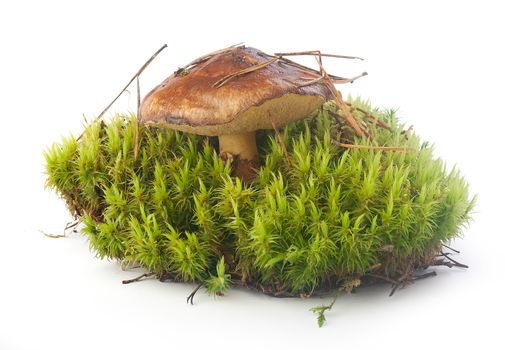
{"x": 188, "y": 100}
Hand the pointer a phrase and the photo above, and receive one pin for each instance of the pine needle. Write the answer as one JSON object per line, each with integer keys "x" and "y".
{"x": 135, "y": 76}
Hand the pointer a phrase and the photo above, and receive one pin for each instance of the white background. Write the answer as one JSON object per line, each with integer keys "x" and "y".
{"x": 440, "y": 63}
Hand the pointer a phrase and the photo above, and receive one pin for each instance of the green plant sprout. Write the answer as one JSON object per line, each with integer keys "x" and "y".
{"x": 316, "y": 219}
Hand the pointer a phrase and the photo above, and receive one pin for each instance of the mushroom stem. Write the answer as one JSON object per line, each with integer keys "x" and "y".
{"x": 241, "y": 149}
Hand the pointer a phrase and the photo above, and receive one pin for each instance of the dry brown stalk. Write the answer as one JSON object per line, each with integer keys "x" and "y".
{"x": 69, "y": 225}
{"x": 315, "y": 53}
{"x": 52, "y": 235}
{"x": 450, "y": 248}
{"x": 379, "y": 122}
{"x": 306, "y": 69}
{"x": 349, "y": 80}
{"x": 403, "y": 280}
{"x": 337, "y": 97}
{"x": 457, "y": 264}
{"x": 141, "y": 277}
{"x": 340, "y": 81}
{"x": 191, "y": 296}
{"x": 144, "y": 66}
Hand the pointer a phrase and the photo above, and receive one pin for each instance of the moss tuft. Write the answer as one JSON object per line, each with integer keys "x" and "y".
{"x": 330, "y": 215}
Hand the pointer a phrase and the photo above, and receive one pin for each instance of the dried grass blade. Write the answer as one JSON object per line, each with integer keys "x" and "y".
{"x": 316, "y": 53}
{"x": 144, "y": 66}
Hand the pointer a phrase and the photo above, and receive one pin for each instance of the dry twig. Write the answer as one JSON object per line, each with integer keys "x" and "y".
{"x": 144, "y": 66}
{"x": 315, "y": 53}
{"x": 425, "y": 275}
{"x": 450, "y": 248}
{"x": 141, "y": 277}
{"x": 457, "y": 264}
{"x": 190, "y": 297}
{"x": 69, "y": 225}
{"x": 337, "y": 97}
{"x": 340, "y": 81}
{"x": 376, "y": 119}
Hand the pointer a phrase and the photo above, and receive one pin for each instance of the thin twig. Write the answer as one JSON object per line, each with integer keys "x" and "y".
{"x": 370, "y": 115}
{"x": 346, "y": 113}
{"x": 457, "y": 264}
{"x": 333, "y": 78}
{"x": 144, "y": 66}
{"x": 306, "y": 69}
{"x": 340, "y": 81}
{"x": 138, "y": 96}
{"x": 443, "y": 262}
{"x": 349, "y": 80}
{"x": 450, "y": 248}
{"x": 136, "y": 279}
{"x": 50, "y": 235}
{"x": 381, "y": 148}
{"x": 229, "y": 77}
{"x": 425, "y": 275}
{"x": 190, "y": 297}
{"x": 310, "y": 82}
{"x": 395, "y": 287}
{"x": 402, "y": 281}
{"x": 335, "y": 81}
{"x": 337, "y": 97}
{"x": 316, "y": 53}
{"x": 69, "y": 225}
{"x": 283, "y": 145}
{"x": 320, "y": 57}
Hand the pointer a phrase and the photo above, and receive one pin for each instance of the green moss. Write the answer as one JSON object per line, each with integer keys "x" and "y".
{"x": 330, "y": 215}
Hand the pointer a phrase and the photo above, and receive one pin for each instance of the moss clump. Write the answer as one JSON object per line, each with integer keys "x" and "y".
{"x": 328, "y": 217}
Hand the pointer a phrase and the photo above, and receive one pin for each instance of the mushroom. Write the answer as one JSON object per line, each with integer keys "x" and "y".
{"x": 230, "y": 94}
